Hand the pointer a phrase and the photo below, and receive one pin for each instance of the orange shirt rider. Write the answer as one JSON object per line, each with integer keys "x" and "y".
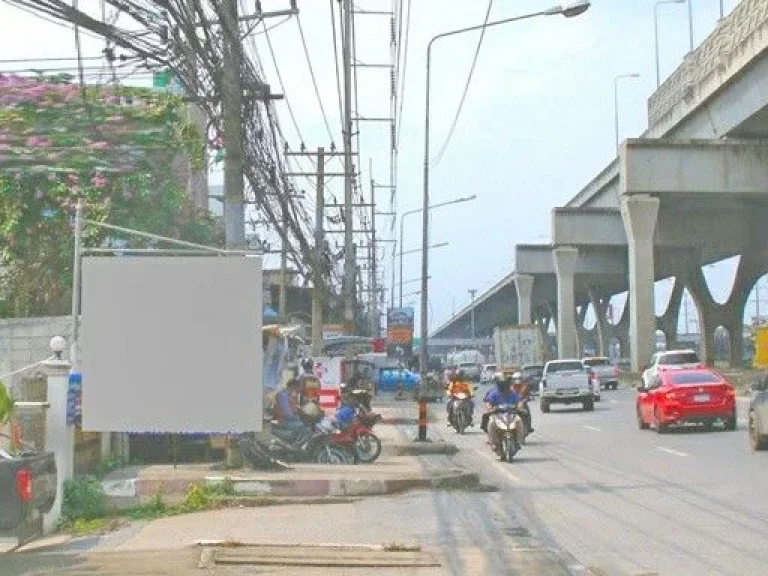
{"x": 460, "y": 384}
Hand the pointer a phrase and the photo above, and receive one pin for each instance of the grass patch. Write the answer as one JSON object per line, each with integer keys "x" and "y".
{"x": 82, "y": 527}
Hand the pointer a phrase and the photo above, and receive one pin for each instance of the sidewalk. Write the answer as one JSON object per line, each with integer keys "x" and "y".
{"x": 398, "y": 469}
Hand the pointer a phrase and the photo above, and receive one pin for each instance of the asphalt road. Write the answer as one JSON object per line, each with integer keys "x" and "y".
{"x": 629, "y": 502}
{"x": 589, "y": 494}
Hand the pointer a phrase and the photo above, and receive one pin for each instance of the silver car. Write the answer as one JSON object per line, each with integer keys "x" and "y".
{"x": 758, "y": 415}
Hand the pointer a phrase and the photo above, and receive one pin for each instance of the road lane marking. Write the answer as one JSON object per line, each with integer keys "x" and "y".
{"x": 745, "y": 399}
{"x": 592, "y": 428}
{"x": 614, "y": 401}
{"x": 670, "y": 451}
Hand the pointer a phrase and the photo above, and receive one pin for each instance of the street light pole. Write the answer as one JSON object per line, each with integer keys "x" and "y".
{"x": 616, "y": 103}
{"x": 656, "y": 33}
{"x": 416, "y": 211}
{"x": 472, "y": 293}
{"x": 568, "y": 11}
{"x": 690, "y": 23}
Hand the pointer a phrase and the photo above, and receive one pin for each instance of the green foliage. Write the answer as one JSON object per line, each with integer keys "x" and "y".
{"x": 201, "y": 496}
{"x": 84, "y": 499}
{"x": 104, "y": 467}
{"x": 197, "y": 498}
{"x": 6, "y": 404}
{"x": 120, "y": 159}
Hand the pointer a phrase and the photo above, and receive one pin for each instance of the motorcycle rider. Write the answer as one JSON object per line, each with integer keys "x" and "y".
{"x": 502, "y": 394}
{"x": 459, "y": 383}
{"x": 523, "y": 390}
{"x": 288, "y": 412}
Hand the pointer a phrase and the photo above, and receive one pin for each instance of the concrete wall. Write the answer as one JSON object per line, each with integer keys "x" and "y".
{"x": 24, "y": 341}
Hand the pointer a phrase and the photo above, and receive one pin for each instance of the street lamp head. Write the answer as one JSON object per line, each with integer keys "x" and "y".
{"x": 575, "y": 8}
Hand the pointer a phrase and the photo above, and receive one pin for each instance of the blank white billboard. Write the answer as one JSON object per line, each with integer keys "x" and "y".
{"x": 172, "y": 344}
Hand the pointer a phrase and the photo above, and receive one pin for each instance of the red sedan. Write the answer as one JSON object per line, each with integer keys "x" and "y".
{"x": 696, "y": 395}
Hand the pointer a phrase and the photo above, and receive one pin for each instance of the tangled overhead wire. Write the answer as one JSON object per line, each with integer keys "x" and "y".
{"x": 190, "y": 39}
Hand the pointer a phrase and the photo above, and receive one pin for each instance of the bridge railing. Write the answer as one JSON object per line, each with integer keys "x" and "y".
{"x": 731, "y": 46}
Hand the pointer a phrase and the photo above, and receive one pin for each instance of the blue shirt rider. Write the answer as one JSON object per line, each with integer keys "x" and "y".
{"x": 500, "y": 396}
{"x": 503, "y": 393}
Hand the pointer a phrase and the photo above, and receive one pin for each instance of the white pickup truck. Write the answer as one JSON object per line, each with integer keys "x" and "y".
{"x": 567, "y": 382}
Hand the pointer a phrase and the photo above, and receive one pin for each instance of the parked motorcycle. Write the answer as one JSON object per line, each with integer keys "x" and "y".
{"x": 308, "y": 445}
{"x": 509, "y": 428}
{"x": 461, "y": 414}
{"x": 358, "y": 438}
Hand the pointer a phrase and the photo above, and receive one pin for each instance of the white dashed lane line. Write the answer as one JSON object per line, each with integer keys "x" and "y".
{"x": 593, "y": 428}
{"x": 670, "y": 451}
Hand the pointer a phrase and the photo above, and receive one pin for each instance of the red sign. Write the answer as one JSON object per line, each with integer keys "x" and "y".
{"x": 379, "y": 345}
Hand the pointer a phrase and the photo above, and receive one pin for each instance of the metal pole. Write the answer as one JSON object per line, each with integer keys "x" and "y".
{"x": 616, "y": 110}
{"x": 424, "y": 327}
{"x": 722, "y": 10}
{"x": 656, "y": 41}
{"x": 472, "y": 313}
{"x": 76, "y": 285}
{"x": 616, "y": 103}
{"x": 402, "y": 219}
{"x": 757, "y": 301}
{"x": 317, "y": 289}
{"x": 690, "y": 22}
{"x": 349, "y": 253}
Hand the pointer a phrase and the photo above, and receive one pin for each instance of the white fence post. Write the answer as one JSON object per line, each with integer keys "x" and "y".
{"x": 60, "y": 436}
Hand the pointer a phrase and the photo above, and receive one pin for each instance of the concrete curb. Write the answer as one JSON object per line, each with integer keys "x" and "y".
{"x": 281, "y": 488}
{"x": 349, "y": 487}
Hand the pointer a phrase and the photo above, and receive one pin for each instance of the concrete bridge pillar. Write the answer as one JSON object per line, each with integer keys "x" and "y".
{"x": 639, "y": 214}
{"x": 585, "y": 335}
{"x": 565, "y": 259}
{"x": 668, "y": 321}
{"x": 707, "y": 312}
{"x": 601, "y": 310}
{"x": 524, "y": 286}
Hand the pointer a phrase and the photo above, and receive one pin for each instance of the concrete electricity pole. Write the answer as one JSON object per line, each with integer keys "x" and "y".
{"x": 232, "y": 137}
{"x": 317, "y": 289}
{"x": 348, "y": 284}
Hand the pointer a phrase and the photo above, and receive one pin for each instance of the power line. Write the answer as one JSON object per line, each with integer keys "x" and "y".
{"x": 53, "y": 21}
{"x": 282, "y": 85}
{"x": 447, "y": 141}
{"x": 314, "y": 81}
{"x": 336, "y": 59}
{"x": 405, "y": 63}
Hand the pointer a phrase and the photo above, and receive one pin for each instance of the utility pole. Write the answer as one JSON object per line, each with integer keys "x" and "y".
{"x": 232, "y": 137}
{"x": 374, "y": 280}
{"x": 283, "y": 293}
{"x": 317, "y": 289}
{"x": 472, "y": 293}
{"x": 348, "y": 287}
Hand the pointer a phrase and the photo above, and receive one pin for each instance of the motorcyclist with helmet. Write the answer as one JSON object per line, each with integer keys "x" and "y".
{"x": 460, "y": 383}
{"x": 503, "y": 393}
{"x": 523, "y": 391}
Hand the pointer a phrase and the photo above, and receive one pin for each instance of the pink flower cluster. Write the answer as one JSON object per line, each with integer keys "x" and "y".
{"x": 18, "y": 90}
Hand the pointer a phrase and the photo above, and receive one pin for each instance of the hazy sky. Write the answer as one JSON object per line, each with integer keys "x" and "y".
{"x": 537, "y": 124}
